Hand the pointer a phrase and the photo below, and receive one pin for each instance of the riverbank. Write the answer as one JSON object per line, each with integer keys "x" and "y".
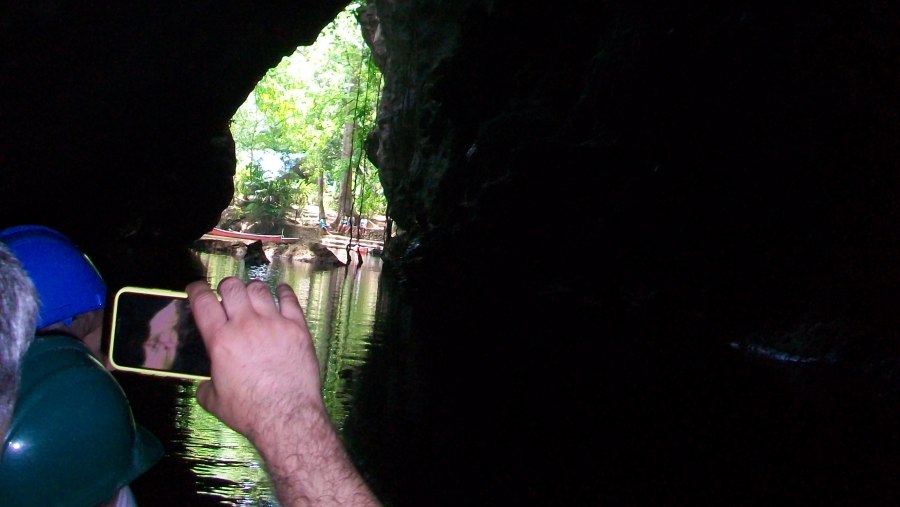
{"x": 311, "y": 246}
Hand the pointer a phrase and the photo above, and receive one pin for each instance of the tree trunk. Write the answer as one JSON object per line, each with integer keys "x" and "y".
{"x": 321, "y": 192}
{"x": 345, "y": 198}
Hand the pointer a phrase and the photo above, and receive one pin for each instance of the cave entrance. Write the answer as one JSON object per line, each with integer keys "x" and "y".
{"x": 299, "y": 141}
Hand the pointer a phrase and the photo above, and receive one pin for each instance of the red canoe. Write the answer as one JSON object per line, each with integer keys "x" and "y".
{"x": 274, "y": 238}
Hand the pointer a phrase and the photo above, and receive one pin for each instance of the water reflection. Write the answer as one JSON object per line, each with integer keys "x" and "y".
{"x": 339, "y": 304}
{"x": 226, "y": 465}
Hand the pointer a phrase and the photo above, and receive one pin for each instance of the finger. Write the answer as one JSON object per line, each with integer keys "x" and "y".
{"x": 234, "y": 297}
{"x": 208, "y": 312}
{"x": 206, "y": 395}
{"x": 289, "y": 304}
{"x": 261, "y": 298}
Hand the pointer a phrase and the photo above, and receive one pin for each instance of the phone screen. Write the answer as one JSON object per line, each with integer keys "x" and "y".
{"x": 153, "y": 332}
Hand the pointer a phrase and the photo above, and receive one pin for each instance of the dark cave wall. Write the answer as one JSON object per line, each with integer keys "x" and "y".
{"x": 738, "y": 157}
{"x": 601, "y": 198}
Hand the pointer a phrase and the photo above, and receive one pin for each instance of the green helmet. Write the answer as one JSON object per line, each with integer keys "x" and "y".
{"x": 72, "y": 440}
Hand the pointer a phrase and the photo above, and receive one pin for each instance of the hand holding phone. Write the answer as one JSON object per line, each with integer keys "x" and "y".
{"x": 264, "y": 359}
{"x": 154, "y": 333}
{"x": 268, "y": 388}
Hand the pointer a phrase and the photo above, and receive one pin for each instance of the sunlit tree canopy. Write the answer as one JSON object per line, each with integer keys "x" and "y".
{"x": 299, "y": 135}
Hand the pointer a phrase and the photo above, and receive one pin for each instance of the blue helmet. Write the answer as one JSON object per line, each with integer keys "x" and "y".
{"x": 67, "y": 282}
{"x": 72, "y": 440}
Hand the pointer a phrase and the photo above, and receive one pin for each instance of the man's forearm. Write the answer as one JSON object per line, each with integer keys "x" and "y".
{"x": 307, "y": 463}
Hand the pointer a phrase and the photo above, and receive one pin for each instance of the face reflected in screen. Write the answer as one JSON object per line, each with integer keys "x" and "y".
{"x": 162, "y": 339}
{"x": 155, "y": 333}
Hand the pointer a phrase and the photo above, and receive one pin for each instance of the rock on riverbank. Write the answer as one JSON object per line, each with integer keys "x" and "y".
{"x": 308, "y": 248}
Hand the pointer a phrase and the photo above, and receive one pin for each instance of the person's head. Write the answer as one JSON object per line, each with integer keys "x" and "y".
{"x": 72, "y": 440}
{"x": 71, "y": 291}
{"x": 162, "y": 340}
{"x": 18, "y": 317}
{"x": 175, "y": 340}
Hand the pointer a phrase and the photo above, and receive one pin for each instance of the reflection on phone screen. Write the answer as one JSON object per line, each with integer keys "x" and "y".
{"x": 157, "y": 333}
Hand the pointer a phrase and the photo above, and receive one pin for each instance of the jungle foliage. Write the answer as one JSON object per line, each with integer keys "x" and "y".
{"x": 299, "y": 135}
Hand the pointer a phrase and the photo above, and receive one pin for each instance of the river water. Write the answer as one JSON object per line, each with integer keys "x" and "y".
{"x": 206, "y": 463}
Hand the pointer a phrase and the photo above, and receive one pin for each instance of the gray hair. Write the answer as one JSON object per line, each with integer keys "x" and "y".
{"x": 18, "y": 317}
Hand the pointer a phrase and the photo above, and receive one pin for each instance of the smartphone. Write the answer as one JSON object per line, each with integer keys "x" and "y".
{"x": 154, "y": 333}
